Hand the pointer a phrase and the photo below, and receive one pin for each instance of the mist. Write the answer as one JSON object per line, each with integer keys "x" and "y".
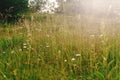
{"x": 95, "y": 14}
{"x": 80, "y": 40}
{"x": 100, "y": 8}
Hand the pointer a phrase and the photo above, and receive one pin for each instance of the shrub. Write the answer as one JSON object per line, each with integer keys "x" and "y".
{"x": 11, "y": 10}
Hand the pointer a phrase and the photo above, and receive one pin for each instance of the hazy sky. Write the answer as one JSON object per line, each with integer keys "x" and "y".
{"x": 96, "y": 6}
{"x": 52, "y": 0}
{"x": 102, "y": 6}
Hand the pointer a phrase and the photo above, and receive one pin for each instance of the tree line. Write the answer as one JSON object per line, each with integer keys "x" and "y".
{"x": 13, "y": 10}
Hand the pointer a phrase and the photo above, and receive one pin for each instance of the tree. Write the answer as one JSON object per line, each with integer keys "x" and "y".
{"x": 43, "y": 6}
{"x": 12, "y": 9}
{"x": 70, "y": 6}
{"x": 36, "y": 5}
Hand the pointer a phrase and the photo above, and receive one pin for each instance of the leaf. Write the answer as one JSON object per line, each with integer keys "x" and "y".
{"x": 110, "y": 63}
{"x": 111, "y": 72}
{"x": 100, "y": 76}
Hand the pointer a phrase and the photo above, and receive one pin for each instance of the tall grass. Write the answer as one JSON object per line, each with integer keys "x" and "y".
{"x": 58, "y": 47}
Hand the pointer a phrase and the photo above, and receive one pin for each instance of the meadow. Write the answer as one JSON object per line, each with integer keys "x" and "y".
{"x": 60, "y": 47}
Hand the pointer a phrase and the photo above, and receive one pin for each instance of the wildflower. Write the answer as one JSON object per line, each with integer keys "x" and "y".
{"x": 47, "y": 46}
{"x": 24, "y": 44}
{"x": 4, "y": 76}
{"x": 73, "y": 59}
{"x": 65, "y": 60}
{"x": 77, "y": 55}
{"x": 20, "y": 49}
{"x": 4, "y": 52}
{"x": 12, "y": 52}
{"x": 104, "y": 58}
{"x": 59, "y": 51}
{"x": 24, "y": 47}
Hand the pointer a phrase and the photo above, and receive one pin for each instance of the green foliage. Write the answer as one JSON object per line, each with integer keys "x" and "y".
{"x": 12, "y": 9}
{"x": 14, "y": 42}
{"x": 37, "y": 4}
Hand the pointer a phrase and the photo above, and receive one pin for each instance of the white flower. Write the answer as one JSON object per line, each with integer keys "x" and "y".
{"x": 24, "y": 44}
{"x": 24, "y": 47}
{"x": 77, "y": 55}
{"x": 4, "y": 52}
{"x": 12, "y": 52}
{"x": 73, "y": 59}
{"x": 104, "y": 58}
{"x": 65, "y": 60}
{"x": 4, "y": 76}
{"x": 47, "y": 46}
{"x": 59, "y": 51}
{"x": 20, "y": 49}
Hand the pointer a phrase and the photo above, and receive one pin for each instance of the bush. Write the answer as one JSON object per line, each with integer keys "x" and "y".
{"x": 12, "y": 9}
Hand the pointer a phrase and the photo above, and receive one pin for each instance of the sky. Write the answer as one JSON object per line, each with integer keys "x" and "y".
{"x": 49, "y": 6}
{"x": 52, "y": 0}
{"x": 96, "y": 6}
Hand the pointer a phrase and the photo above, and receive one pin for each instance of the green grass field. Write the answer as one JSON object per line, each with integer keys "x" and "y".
{"x": 59, "y": 47}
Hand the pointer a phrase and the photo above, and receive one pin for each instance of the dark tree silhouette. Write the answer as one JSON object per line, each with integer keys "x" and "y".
{"x": 12, "y": 9}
